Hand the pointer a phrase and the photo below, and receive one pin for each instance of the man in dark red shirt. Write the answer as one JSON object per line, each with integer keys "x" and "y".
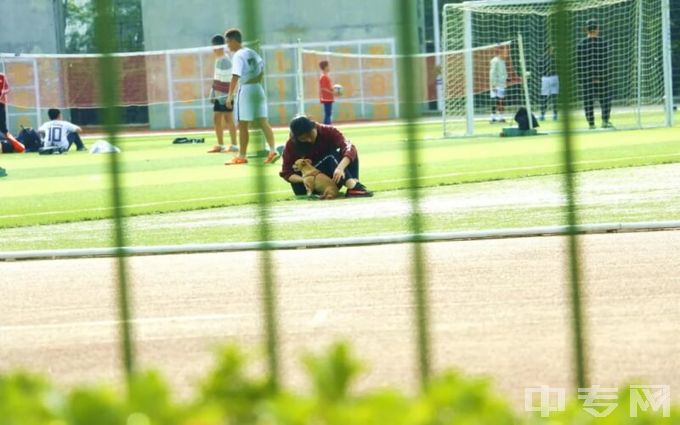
{"x": 329, "y": 151}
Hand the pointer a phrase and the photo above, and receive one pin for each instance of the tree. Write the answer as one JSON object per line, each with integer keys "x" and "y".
{"x": 79, "y": 28}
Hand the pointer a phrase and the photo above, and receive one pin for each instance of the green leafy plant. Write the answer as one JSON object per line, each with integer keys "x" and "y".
{"x": 229, "y": 394}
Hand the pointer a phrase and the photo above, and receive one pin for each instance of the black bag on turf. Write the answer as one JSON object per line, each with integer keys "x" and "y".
{"x": 184, "y": 141}
{"x": 30, "y": 139}
{"x": 6, "y": 146}
{"x": 522, "y": 118}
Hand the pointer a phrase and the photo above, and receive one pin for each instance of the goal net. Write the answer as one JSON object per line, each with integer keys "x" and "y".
{"x": 637, "y": 61}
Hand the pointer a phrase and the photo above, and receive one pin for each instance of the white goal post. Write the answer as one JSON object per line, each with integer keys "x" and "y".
{"x": 637, "y": 32}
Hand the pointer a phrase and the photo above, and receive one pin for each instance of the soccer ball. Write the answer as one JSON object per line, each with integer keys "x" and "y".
{"x": 338, "y": 89}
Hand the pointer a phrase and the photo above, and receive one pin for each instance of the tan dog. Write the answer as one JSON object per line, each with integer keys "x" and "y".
{"x": 315, "y": 181}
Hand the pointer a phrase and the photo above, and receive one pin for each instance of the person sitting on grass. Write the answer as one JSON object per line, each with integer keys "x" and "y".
{"x": 330, "y": 152}
{"x": 60, "y": 134}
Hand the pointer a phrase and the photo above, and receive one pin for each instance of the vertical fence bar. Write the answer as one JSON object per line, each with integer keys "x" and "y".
{"x": 408, "y": 82}
{"x": 108, "y": 82}
{"x": 667, "y": 66}
{"x": 525, "y": 78}
{"x": 564, "y": 67}
{"x": 638, "y": 104}
{"x": 171, "y": 88}
{"x": 251, "y": 19}
{"x": 300, "y": 80}
{"x": 468, "y": 54}
{"x": 36, "y": 83}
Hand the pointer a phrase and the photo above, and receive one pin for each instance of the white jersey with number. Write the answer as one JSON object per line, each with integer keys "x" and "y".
{"x": 247, "y": 64}
{"x": 56, "y": 133}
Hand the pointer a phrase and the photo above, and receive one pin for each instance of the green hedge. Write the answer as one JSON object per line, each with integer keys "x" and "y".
{"x": 229, "y": 395}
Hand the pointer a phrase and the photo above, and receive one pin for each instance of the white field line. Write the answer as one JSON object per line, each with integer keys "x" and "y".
{"x": 201, "y": 131}
{"x": 598, "y": 228}
{"x": 111, "y": 323}
{"x": 278, "y": 192}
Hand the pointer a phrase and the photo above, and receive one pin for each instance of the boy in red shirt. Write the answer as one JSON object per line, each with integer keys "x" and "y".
{"x": 12, "y": 144}
{"x": 326, "y": 95}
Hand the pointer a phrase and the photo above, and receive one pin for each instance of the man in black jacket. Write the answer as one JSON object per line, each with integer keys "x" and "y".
{"x": 594, "y": 73}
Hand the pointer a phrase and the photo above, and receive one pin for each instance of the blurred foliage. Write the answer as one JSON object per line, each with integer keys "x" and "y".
{"x": 231, "y": 395}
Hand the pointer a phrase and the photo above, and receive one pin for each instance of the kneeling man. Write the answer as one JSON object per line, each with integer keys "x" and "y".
{"x": 329, "y": 151}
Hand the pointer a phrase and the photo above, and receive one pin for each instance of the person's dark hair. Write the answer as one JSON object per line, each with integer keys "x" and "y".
{"x": 233, "y": 34}
{"x": 323, "y": 65}
{"x": 301, "y": 124}
{"x": 53, "y": 113}
{"x": 217, "y": 40}
{"x": 592, "y": 25}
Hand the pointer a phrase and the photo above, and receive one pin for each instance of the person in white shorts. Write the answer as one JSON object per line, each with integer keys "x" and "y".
{"x": 222, "y": 113}
{"x": 498, "y": 78}
{"x": 60, "y": 134}
{"x": 250, "y": 100}
{"x": 550, "y": 83}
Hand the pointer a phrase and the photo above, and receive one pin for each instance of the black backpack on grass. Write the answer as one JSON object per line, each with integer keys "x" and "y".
{"x": 522, "y": 119}
{"x": 30, "y": 139}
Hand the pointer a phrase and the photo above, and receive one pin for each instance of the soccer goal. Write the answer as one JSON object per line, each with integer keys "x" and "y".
{"x": 637, "y": 33}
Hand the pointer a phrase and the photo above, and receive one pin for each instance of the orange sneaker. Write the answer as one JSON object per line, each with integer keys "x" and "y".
{"x": 236, "y": 161}
{"x": 272, "y": 157}
{"x": 216, "y": 149}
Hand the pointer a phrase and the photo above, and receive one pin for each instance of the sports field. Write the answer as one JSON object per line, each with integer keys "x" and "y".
{"x": 68, "y": 198}
{"x": 499, "y": 308}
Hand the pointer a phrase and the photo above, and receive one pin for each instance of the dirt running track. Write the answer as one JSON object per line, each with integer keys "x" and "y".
{"x": 499, "y": 307}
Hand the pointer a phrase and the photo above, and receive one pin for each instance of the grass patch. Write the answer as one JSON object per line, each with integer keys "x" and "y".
{"x": 622, "y": 195}
{"x": 159, "y": 177}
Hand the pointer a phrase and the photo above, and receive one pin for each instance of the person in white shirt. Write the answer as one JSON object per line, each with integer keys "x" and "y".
{"x": 498, "y": 77}
{"x": 60, "y": 134}
{"x": 250, "y": 100}
{"x": 222, "y": 113}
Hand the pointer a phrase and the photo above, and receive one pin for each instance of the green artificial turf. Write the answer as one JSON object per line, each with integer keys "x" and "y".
{"x": 159, "y": 177}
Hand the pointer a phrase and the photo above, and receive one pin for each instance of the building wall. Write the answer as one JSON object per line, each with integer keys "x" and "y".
{"x": 190, "y": 24}
{"x": 31, "y": 26}
{"x": 28, "y": 26}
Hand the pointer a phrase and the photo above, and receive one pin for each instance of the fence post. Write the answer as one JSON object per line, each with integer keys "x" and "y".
{"x": 251, "y": 29}
{"x": 109, "y": 87}
{"x": 407, "y": 38}
{"x": 564, "y": 70}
